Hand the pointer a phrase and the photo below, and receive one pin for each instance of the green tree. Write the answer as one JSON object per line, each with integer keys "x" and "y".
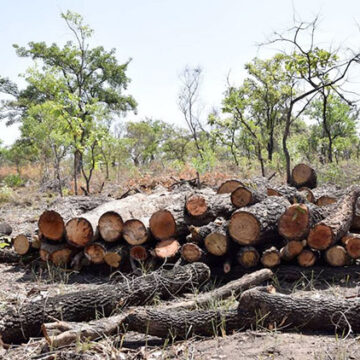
{"x": 95, "y": 83}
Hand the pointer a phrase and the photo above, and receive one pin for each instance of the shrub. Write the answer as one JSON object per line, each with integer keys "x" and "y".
{"x": 13, "y": 180}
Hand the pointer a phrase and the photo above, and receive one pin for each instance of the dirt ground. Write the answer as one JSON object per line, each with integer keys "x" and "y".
{"x": 27, "y": 283}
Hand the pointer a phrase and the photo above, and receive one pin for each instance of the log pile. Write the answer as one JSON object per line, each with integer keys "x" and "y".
{"x": 250, "y": 223}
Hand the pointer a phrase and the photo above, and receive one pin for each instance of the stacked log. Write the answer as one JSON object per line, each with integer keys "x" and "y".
{"x": 246, "y": 223}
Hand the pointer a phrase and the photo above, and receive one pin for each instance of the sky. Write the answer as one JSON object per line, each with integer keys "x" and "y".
{"x": 163, "y": 36}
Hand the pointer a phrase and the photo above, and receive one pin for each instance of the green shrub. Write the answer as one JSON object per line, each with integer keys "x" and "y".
{"x": 6, "y": 194}
{"x": 13, "y": 180}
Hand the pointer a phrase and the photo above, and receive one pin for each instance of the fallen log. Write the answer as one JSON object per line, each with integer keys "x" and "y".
{"x": 9, "y": 256}
{"x": 63, "y": 333}
{"x": 17, "y": 325}
{"x": 336, "y": 225}
{"x": 258, "y": 223}
{"x": 319, "y": 313}
{"x": 303, "y": 175}
{"x": 229, "y": 186}
{"x": 51, "y": 225}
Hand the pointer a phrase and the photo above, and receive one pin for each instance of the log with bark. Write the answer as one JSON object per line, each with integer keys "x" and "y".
{"x": 327, "y": 195}
{"x": 303, "y": 175}
{"x": 246, "y": 196}
{"x": 58, "y": 253}
{"x": 328, "y": 231}
{"x": 296, "y": 222}
{"x": 64, "y": 333}
{"x": 23, "y": 244}
{"x": 257, "y": 223}
{"x": 17, "y": 325}
{"x": 293, "y": 195}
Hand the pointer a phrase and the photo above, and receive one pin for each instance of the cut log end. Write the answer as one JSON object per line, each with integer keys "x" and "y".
{"x": 294, "y": 223}
{"x": 229, "y": 186}
{"x": 271, "y": 257}
{"x": 325, "y": 200}
{"x": 248, "y": 257}
{"x": 244, "y": 228}
{"x": 308, "y": 194}
{"x": 304, "y": 175}
{"x": 95, "y": 253}
{"x": 138, "y": 253}
{"x": 110, "y": 226}
{"x": 79, "y": 232}
{"x": 272, "y": 192}
{"x": 292, "y": 249}
{"x": 135, "y": 232}
{"x": 352, "y": 244}
{"x": 51, "y": 225}
{"x": 191, "y": 252}
{"x": 113, "y": 259}
{"x": 162, "y": 225}
{"x": 241, "y": 197}
{"x": 320, "y": 237}
{"x": 336, "y": 256}
{"x": 196, "y": 206}
{"x": 306, "y": 258}
{"x": 167, "y": 248}
{"x": 216, "y": 244}
{"x": 61, "y": 257}
{"x": 21, "y": 244}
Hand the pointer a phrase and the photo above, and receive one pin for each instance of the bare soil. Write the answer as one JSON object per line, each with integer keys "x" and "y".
{"x": 27, "y": 283}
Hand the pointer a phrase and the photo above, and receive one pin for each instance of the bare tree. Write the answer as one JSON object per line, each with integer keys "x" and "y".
{"x": 188, "y": 101}
{"x": 311, "y": 69}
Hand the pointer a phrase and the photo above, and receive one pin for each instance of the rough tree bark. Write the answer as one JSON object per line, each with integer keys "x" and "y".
{"x": 17, "y": 325}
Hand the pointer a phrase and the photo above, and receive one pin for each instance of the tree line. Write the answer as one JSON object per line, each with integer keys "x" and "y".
{"x": 291, "y": 105}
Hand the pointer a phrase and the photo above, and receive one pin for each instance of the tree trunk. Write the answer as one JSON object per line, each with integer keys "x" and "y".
{"x": 24, "y": 322}
{"x": 336, "y": 225}
{"x": 257, "y": 223}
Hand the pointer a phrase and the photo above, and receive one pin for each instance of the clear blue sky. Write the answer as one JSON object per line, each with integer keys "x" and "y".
{"x": 162, "y": 36}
